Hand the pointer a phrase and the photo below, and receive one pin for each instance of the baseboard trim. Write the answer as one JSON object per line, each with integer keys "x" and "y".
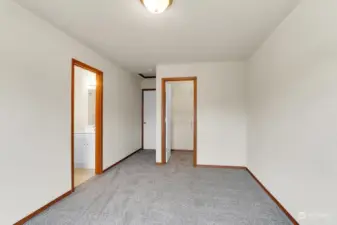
{"x": 291, "y": 218}
{"x": 40, "y": 210}
{"x": 121, "y": 160}
{"x": 183, "y": 150}
{"x": 222, "y": 167}
{"x": 30, "y": 216}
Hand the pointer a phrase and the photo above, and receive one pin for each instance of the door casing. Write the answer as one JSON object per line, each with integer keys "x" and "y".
{"x": 98, "y": 118}
{"x": 163, "y": 116}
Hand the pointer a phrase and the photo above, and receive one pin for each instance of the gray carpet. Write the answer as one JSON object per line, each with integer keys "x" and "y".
{"x": 137, "y": 192}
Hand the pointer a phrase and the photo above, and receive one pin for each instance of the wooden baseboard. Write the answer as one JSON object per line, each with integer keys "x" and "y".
{"x": 121, "y": 160}
{"x": 183, "y": 150}
{"x": 291, "y": 218}
{"x": 30, "y": 216}
{"x": 222, "y": 167}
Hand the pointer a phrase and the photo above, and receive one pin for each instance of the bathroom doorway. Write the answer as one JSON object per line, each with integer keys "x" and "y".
{"x": 86, "y": 125}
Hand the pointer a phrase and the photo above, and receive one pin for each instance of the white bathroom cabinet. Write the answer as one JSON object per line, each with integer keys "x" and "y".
{"x": 84, "y": 150}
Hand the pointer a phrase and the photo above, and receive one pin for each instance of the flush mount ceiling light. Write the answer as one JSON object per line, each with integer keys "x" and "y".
{"x": 156, "y": 6}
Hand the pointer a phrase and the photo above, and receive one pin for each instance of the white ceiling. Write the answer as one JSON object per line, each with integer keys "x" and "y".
{"x": 189, "y": 31}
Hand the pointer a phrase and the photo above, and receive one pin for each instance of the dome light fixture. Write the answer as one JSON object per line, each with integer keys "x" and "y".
{"x": 156, "y": 6}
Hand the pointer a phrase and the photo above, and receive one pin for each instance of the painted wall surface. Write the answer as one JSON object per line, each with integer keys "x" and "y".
{"x": 149, "y": 83}
{"x": 182, "y": 115}
{"x": 81, "y": 106}
{"x": 221, "y": 110}
{"x": 35, "y": 62}
{"x": 92, "y": 107}
{"x": 292, "y": 145}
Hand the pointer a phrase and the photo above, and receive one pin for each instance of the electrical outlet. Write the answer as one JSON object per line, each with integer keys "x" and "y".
{"x": 302, "y": 216}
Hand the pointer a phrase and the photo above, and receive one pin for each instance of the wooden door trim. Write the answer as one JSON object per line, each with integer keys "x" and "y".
{"x": 163, "y": 115}
{"x": 143, "y": 90}
{"x": 98, "y": 119}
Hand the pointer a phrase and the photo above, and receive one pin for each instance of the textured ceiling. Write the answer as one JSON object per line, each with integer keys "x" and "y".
{"x": 189, "y": 31}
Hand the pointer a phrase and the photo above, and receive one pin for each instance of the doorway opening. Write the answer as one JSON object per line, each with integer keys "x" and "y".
{"x": 86, "y": 122}
{"x": 179, "y": 117}
{"x": 149, "y": 119}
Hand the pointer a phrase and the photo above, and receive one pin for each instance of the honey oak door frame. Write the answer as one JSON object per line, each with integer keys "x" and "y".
{"x": 98, "y": 118}
{"x": 144, "y": 90}
{"x": 163, "y": 116}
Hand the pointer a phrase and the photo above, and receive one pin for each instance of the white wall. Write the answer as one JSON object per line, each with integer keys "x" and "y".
{"x": 81, "y": 106}
{"x": 35, "y": 62}
{"x": 182, "y": 115}
{"x": 122, "y": 116}
{"x": 92, "y": 107}
{"x": 149, "y": 83}
{"x": 293, "y": 112}
{"x": 221, "y": 110}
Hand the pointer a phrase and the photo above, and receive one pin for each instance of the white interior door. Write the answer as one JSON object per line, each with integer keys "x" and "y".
{"x": 182, "y": 115}
{"x": 168, "y": 121}
{"x": 149, "y": 120}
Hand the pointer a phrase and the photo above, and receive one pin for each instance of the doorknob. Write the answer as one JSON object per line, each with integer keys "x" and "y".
{"x": 144, "y": 122}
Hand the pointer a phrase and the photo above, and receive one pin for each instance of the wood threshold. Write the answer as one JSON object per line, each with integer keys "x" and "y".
{"x": 291, "y": 218}
{"x": 40, "y": 210}
{"x": 110, "y": 167}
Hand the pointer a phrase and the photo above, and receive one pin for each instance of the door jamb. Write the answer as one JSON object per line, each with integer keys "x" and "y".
{"x": 163, "y": 116}
{"x": 98, "y": 118}
{"x": 143, "y": 90}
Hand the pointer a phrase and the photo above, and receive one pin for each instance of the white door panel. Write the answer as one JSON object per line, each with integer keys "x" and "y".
{"x": 149, "y": 119}
{"x": 168, "y": 121}
{"x": 182, "y": 115}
